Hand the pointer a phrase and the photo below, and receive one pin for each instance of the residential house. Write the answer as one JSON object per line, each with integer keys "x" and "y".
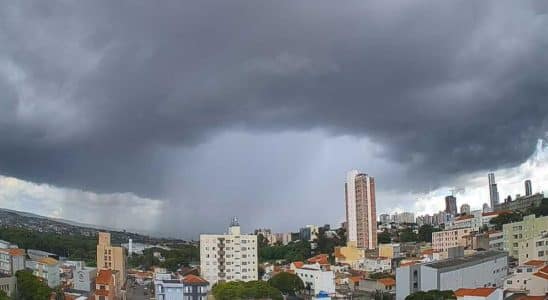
{"x": 479, "y": 294}
{"x": 196, "y": 288}
{"x": 105, "y": 285}
{"x": 315, "y": 277}
{"x": 12, "y": 260}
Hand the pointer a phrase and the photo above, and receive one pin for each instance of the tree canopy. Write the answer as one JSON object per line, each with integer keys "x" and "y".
{"x": 239, "y": 290}
{"x": 432, "y": 295}
{"x": 502, "y": 219}
{"x": 407, "y": 235}
{"x": 29, "y": 287}
{"x": 541, "y": 210}
{"x": 174, "y": 258}
{"x": 425, "y": 233}
{"x": 384, "y": 237}
{"x": 294, "y": 251}
{"x": 76, "y": 247}
{"x": 287, "y": 283}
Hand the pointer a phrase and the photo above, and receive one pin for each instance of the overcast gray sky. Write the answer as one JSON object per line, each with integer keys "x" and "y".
{"x": 181, "y": 114}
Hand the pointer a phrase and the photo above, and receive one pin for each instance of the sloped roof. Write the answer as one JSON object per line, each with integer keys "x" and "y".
{"x": 535, "y": 263}
{"x": 298, "y": 264}
{"x": 104, "y": 277}
{"x": 478, "y": 292}
{"x": 387, "y": 281}
{"x": 322, "y": 259}
{"x": 193, "y": 279}
{"x": 48, "y": 261}
{"x": 16, "y": 252}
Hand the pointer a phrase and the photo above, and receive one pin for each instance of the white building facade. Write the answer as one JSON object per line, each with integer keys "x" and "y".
{"x": 166, "y": 287}
{"x": 484, "y": 269}
{"x": 317, "y": 279}
{"x": 229, "y": 257}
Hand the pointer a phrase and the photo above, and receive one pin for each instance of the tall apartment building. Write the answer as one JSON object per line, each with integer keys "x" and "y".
{"x": 534, "y": 249}
{"x": 111, "y": 257}
{"x": 519, "y": 232}
{"x": 493, "y": 191}
{"x": 229, "y": 257}
{"x": 384, "y": 218}
{"x": 528, "y": 188}
{"x": 405, "y": 217}
{"x": 465, "y": 209}
{"x": 443, "y": 240}
{"x": 361, "y": 215}
{"x": 451, "y": 205}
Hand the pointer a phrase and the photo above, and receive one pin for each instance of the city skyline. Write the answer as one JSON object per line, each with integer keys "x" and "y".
{"x": 166, "y": 118}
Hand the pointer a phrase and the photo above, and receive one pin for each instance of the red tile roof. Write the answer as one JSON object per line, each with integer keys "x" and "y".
{"x": 16, "y": 252}
{"x": 478, "y": 292}
{"x": 410, "y": 263}
{"x": 535, "y": 263}
{"x": 104, "y": 277}
{"x": 193, "y": 279}
{"x": 322, "y": 259}
{"x": 464, "y": 218}
{"x": 355, "y": 279}
{"x": 298, "y": 264}
{"x": 387, "y": 281}
{"x": 541, "y": 275}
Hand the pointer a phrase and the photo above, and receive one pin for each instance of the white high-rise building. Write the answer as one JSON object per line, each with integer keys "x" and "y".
{"x": 229, "y": 257}
{"x": 361, "y": 215}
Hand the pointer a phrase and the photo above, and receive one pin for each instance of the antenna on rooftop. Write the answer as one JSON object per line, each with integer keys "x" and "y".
{"x": 234, "y": 222}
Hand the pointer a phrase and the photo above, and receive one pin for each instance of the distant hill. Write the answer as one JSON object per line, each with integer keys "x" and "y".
{"x": 69, "y": 222}
{"x": 30, "y": 221}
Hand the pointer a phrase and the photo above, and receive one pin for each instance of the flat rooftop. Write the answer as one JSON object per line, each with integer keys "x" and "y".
{"x": 466, "y": 261}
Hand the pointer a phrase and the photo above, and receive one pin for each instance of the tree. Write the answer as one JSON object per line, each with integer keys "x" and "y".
{"x": 384, "y": 237}
{"x": 425, "y": 233}
{"x": 432, "y": 295}
{"x": 287, "y": 283}
{"x": 541, "y": 210}
{"x": 30, "y": 288}
{"x": 327, "y": 244}
{"x": 294, "y": 251}
{"x": 3, "y": 296}
{"x": 407, "y": 235}
{"x": 502, "y": 219}
{"x": 381, "y": 275}
{"x": 236, "y": 290}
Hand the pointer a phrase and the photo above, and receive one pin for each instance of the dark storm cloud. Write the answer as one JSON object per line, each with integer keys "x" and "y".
{"x": 95, "y": 94}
